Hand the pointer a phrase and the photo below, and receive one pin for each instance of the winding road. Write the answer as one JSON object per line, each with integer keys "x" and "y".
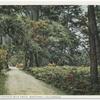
{"x": 21, "y": 83}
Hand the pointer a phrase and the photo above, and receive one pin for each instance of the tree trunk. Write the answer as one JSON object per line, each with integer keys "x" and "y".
{"x": 1, "y": 40}
{"x": 36, "y": 59}
{"x": 32, "y": 12}
{"x": 97, "y": 37}
{"x": 26, "y": 54}
{"x": 35, "y": 12}
{"x": 92, "y": 40}
{"x": 31, "y": 59}
{"x": 98, "y": 48}
{"x": 26, "y": 60}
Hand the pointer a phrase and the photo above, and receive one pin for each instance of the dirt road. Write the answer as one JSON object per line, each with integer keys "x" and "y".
{"x": 20, "y": 83}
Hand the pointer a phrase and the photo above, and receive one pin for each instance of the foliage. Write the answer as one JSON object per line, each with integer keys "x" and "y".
{"x": 54, "y": 37}
{"x": 17, "y": 57}
{"x": 40, "y": 32}
{"x": 62, "y": 44}
{"x": 3, "y": 56}
{"x": 3, "y": 90}
{"x": 46, "y": 40}
{"x": 15, "y": 28}
{"x": 72, "y": 80}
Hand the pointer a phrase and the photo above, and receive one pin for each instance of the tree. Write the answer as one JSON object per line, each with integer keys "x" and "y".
{"x": 92, "y": 40}
{"x": 97, "y": 22}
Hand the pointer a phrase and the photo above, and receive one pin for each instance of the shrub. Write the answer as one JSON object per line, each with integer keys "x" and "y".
{"x": 2, "y": 84}
{"x": 3, "y": 60}
{"x": 69, "y": 79}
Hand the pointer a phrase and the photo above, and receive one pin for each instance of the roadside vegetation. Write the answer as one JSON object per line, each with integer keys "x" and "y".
{"x": 72, "y": 80}
{"x": 3, "y": 68}
{"x": 3, "y": 78}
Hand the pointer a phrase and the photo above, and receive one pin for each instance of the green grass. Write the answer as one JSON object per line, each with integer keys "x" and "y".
{"x": 2, "y": 84}
{"x": 72, "y": 80}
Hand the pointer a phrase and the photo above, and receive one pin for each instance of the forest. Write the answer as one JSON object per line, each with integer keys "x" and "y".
{"x": 59, "y": 45}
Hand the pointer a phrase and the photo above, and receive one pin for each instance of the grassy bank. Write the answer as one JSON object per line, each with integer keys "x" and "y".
{"x": 2, "y": 84}
{"x": 71, "y": 80}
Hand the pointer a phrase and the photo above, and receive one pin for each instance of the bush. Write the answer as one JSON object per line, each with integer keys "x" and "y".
{"x": 3, "y": 60}
{"x": 69, "y": 79}
{"x": 2, "y": 84}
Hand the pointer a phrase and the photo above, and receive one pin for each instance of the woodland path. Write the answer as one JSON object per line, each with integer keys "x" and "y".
{"x": 21, "y": 83}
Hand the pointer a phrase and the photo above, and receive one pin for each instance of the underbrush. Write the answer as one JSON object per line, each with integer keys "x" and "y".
{"x": 2, "y": 84}
{"x": 72, "y": 80}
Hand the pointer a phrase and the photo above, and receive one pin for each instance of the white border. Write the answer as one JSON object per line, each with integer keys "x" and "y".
{"x": 49, "y": 2}
{"x": 86, "y": 97}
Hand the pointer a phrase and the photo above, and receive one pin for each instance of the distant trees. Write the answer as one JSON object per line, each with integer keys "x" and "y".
{"x": 43, "y": 40}
{"x": 48, "y": 33}
{"x": 71, "y": 17}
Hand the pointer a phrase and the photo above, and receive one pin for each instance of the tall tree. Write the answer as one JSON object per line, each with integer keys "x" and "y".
{"x": 97, "y": 13}
{"x": 92, "y": 40}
